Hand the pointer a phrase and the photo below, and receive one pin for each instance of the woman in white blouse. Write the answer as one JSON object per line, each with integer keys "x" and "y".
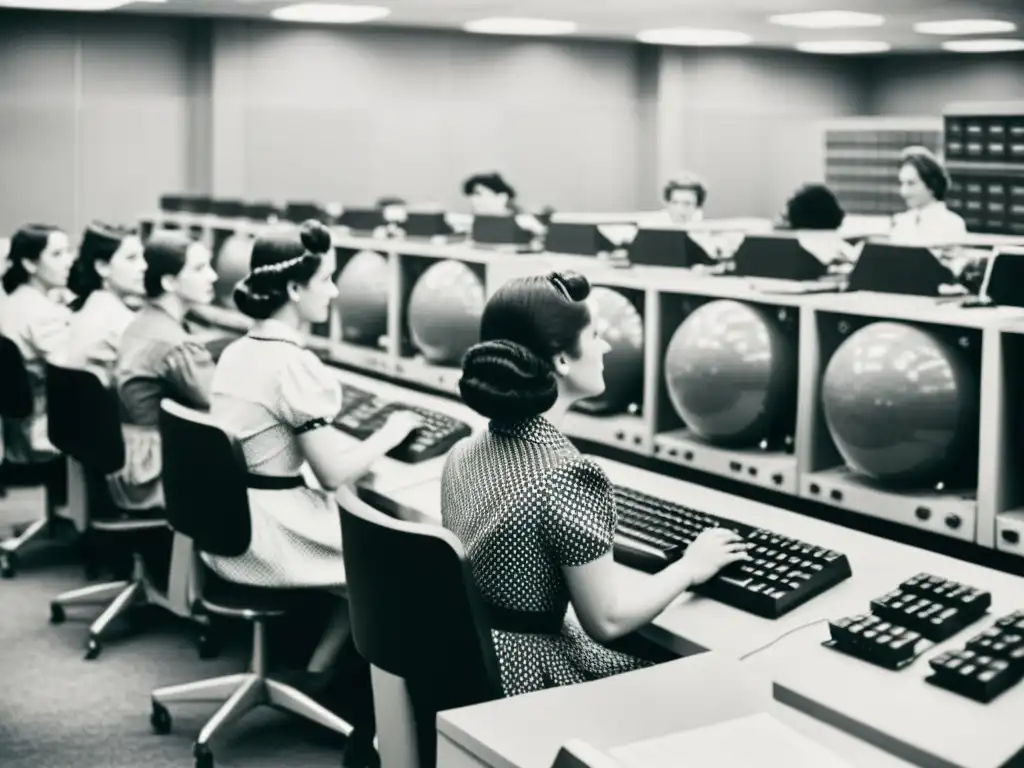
{"x": 923, "y": 186}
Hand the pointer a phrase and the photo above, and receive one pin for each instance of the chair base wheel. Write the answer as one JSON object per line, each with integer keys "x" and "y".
{"x": 203, "y": 756}
{"x": 57, "y": 615}
{"x": 160, "y": 719}
{"x": 93, "y": 648}
{"x": 8, "y": 565}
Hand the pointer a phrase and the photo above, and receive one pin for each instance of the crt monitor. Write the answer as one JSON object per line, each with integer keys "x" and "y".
{"x": 907, "y": 270}
{"x": 426, "y": 224}
{"x": 444, "y": 310}
{"x": 499, "y": 230}
{"x": 1003, "y": 284}
{"x": 363, "y": 284}
{"x": 362, "y": 219}
{"x": 577, "y": 237}
{"x": 666, "y": 247}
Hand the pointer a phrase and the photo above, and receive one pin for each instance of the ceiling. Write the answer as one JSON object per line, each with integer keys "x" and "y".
{"x": 623, "y": 19}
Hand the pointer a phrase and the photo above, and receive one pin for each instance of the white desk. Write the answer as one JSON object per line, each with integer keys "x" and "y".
{"x": 527, "y": 731}
{"x": 878, "y": 566}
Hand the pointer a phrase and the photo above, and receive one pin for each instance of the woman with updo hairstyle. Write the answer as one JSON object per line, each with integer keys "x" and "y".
{"x": 37, "y": 269}
{"x": 815, "y": 214}
{"x": 281, "y": 401}
{"x": 106, "y": 277}
{"x": 159, "y": 357}
{"x": 537, "y": 519}
{"x": 923, "y": 185}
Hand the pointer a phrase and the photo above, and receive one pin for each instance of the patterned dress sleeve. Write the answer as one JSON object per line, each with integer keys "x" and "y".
{"x": 309, "y": 396}
{"x": 49, "y": 333}
{"x": 579, "y": 516}
{"x": 188, "y": 368}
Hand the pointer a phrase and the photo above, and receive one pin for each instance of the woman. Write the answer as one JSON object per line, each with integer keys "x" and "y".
{"x": 38, "y": 265}
{"x": 108, "y": 272}
{"x": 158, "y": 357}
{"x": 280, "y": 401}
{"x": 927, "y": 220}
{"x": 815, "y": 214}
{"x": 537, "y": 519}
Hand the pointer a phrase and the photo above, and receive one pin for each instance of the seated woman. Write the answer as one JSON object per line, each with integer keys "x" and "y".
{"x": 280, "y": 401}
{"x": 158, "y": 357}
{"x": 815, "y": 214}
{"x": 108, "y": 272}
{"x": 38, "y": 265}
{"x": 536, "y": 517}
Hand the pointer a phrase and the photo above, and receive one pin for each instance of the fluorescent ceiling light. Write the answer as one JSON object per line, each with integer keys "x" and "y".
{"x": 964, "y": 27}
{"x": 840, "y": 47}
{"x": 328, "y": 13}
{"x": 994, "y": 45}
{"x": 693, "y": 36}
{"x": 64, "y": 5}
{"x": 828, "y": 20}
{"x": 520, "y": 26}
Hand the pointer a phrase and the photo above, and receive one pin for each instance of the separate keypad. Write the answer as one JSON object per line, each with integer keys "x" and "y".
{"x": 990, "y": 663}
{"x": 937, "y": 608}
{"x": 873, "y": 639}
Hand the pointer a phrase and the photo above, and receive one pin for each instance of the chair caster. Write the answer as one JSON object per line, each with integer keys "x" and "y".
{"x": 8, "y": 565}
{"x": 57, "y": 615}
{"x": 203, "y": 755}
{"x": 208, "y": 645}
{"x": 160, "y": 719}
{"x": 93, "y": 648}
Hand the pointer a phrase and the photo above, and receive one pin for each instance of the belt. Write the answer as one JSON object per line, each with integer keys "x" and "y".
{"x": 274, "y": 482}
{"x": 526, "y": 622}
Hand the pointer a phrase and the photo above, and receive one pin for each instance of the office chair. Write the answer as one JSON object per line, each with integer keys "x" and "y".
{"x": 204, "y": 476}
{"x": 16, "y": 402}
{"x": 418, "y": 619}
{"x": 84, "y": 423}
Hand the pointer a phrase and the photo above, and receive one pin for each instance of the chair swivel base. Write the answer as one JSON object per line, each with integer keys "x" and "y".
{"x": 43, "y": 530}
{"x": 124, "y": 599}
{"x": 243, "y": 693}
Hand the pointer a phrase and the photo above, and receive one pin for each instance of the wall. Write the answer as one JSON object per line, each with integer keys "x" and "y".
{"x": 94, "y": 115}
{"x": 913, "y": 85}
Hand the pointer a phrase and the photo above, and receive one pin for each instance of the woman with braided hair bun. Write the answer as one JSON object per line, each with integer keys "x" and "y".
{"x": 280, "y": 401}
{"x": 536, "y": 517}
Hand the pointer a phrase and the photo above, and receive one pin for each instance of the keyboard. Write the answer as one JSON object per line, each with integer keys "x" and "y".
{"x": 782, "y": 574}
{"x": 363, "y": 413}
{"x": 925, "y": 609}
{"x": 988, "y": 664}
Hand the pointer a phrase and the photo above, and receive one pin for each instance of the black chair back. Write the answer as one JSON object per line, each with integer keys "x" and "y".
{"x": 83, "y": 420}
{"x": 204, "y": 475}
{"x": 416, "y": 612}
{"x": 15, "y": 392}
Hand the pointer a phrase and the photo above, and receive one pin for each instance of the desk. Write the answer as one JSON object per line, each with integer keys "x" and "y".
{"x": 527, "y": 731}
{"x": 693, "y": 622}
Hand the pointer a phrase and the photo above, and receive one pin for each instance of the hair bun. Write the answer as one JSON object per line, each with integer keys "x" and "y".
{"x": 575, "y": 286}
{"x": 316, "y": 238}
{"x": 258, "y": 306}
{"x": 506, "y": 381}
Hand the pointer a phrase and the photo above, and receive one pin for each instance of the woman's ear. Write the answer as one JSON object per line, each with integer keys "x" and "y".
{"x": 292, "y": 289}
{"x": 561, "y": 364}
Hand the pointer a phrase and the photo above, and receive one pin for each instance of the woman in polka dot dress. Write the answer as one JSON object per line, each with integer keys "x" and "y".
{"x": 537, "y": 519}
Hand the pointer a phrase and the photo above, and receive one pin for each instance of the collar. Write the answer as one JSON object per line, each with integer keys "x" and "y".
{"x": 536, "y": 430}
{"x": 275, "y": 330}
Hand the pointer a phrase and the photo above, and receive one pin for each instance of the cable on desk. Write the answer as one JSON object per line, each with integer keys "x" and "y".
{"x": 766, "y": 646}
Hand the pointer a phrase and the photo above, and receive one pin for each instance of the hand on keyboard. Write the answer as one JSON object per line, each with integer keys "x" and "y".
{"x": 399, "y": 425}
{"x": 713, "y": 550}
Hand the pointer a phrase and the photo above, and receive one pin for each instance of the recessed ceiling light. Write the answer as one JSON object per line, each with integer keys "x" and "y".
{"x": 964, "y": 27}
{"x": 693, "y": 36}
{"x": 64, "y": 5}
{"x": 520, "y": 26}
{"x": 327, "y": 13}
{"x": 840, "y": 47}
{"x": 828, "y": 20}
{"x": 994, "y": 45}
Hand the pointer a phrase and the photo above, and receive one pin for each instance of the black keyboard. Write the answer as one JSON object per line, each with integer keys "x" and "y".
{"x": 990, "y": 662}
{"x": 934, "y": 606}
{"x": 875, "y": 640}
{"x": 782, "y": 574}
{"x": 363, "y": 413}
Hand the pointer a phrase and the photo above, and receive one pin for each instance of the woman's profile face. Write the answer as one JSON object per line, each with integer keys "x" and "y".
{"x": 314, "y": 299}
{"x": 486, "y": 202}
{"x": 125, "y": 271}
{"x": 913, "y": 190}
{"x": 584, "y": 374}
{"x": 194, "y": 284}
{"x": 54, "y": 262}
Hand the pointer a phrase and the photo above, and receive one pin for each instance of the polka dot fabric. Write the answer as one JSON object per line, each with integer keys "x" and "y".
{"x": 524, "y": 502}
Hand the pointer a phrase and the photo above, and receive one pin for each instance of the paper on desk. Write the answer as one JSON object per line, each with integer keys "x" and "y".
{"x": 754, "y": 740}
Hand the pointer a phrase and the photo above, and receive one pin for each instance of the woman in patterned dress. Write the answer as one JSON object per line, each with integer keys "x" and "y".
{"x": 280, "y": 401}
{"x": 537, "y": 518}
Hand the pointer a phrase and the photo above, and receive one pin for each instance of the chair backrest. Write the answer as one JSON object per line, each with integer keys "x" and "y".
{"x": 204, "y": 473}
{"x": 15, "y": 391}
{"x": 416, "y": 612}
{"x": 83, "y": 420}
